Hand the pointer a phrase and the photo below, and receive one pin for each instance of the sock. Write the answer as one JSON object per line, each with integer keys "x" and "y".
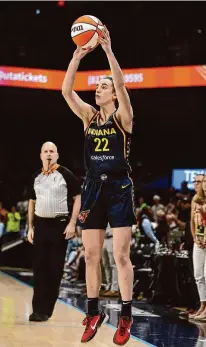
{"x": 92, "y": 306}
{"x": 126, "y": 309}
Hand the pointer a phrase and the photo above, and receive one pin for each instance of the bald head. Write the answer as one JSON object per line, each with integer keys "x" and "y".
{"x": 49, "y": 144}
{"x": 49, "y": 154}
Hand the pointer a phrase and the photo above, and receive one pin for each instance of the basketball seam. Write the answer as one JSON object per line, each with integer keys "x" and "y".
{"x": 85, "y": 32}
{"x": 93, "y": 35}
{"x": 87, "y": 23}
{"x": 91, "y": 39}
{"x": 93, "y": 19}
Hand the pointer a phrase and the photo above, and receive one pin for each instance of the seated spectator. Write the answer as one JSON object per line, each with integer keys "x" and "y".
{"x": 22, "y": 207}
{"x": 184, "y": 191}
{"x": 184, "y": 210}
{"x": 74, "y": 255}
{"x": 1, "y": 228}
{"x": 3, "y": 218}
{"x": 72, "y": 251}
{"x": 162, "y": 230}
{"x": 12, "y": 225}
{"x": 145, "y": 224}
{"x": 156, "y": 206}
{"x": 140, "y": 201}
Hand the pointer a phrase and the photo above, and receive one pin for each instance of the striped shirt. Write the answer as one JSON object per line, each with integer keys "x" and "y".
{"x": 54, "y": 192}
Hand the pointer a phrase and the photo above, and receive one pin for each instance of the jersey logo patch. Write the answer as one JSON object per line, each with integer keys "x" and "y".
{"x": 83, "y": 216}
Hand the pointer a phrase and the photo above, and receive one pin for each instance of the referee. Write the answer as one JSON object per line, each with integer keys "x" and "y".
{"x": 52, "y": 221}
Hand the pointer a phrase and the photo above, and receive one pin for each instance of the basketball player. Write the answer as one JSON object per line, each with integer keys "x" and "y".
{"x": 107, "y": 193}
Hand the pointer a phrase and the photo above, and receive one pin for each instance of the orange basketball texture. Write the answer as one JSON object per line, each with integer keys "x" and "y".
{"x": 85, "y": 31}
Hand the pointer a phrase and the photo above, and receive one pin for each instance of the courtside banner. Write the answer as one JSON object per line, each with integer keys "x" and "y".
{"x": 163, "y": 77}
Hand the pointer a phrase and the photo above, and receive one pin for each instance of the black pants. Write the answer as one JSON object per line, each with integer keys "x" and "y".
{"x": 48, "y": 263}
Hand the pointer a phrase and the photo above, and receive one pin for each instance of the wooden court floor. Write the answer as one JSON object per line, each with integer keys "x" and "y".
{"x": 64, "y": 329}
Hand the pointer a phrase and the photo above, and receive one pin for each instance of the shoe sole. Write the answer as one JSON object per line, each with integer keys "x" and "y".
{"x": 121, "y": 344}
{"x": 38, "y": 321}
{"x": 103, "y": 322}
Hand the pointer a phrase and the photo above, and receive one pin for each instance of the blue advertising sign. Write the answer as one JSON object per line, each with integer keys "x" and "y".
{"x": 188, "y": 175}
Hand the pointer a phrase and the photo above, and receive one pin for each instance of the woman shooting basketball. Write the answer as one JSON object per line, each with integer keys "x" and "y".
{"x": 107, "y": 193}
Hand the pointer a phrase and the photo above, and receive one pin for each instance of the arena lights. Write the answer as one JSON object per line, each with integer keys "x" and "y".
{"x": 61, "y": 3}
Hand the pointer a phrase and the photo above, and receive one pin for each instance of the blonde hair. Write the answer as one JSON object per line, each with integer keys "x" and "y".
{"x": 200, "y": 197}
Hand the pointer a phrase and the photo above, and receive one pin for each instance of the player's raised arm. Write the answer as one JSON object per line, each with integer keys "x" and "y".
{"x": 124, "y": 112}
{"x": 77, "y": 105}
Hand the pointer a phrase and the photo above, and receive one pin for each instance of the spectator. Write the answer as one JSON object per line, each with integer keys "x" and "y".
{"x": 184, "y": 188}
{"x": 157, "y": 206}
{"x": 184, "y": 210}
{"x": 162, "y": 230}
{"x": 141, "y": 201}
{"x": 199, "y": 252}
{"x": 145, "y": 224}
{"x": 13, "y": 224}
{"x": 184, "y": 191}
{"x": 3, "y": 214}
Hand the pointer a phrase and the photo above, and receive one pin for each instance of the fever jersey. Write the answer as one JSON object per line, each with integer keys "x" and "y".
{"x": 107, "y": 146}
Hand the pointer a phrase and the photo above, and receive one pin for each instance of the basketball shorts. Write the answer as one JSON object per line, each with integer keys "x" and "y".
{"x": 105, "y": 200}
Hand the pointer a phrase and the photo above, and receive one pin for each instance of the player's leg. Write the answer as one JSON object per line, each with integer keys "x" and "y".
{"x": 93, "y": 222}
{"x": 121, "y": 249}
{"x": 93, "y": 240}
{"x": 121, "y": 219}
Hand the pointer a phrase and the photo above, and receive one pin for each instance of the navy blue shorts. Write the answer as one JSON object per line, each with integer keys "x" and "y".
{"x": 106, "y": 201}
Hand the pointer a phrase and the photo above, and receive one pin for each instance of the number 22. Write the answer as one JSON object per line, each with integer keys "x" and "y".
{"x": 99, "y": 142}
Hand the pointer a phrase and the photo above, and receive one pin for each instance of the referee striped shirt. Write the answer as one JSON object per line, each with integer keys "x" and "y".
{"x": 53, "y": 192}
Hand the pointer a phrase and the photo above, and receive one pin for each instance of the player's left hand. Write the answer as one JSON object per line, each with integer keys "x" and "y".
{"x": 70, "y": 230}
{"x": 105, "y": 42}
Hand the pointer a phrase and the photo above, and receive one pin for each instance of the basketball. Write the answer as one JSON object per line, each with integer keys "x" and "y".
{"x": 85, "y": 31}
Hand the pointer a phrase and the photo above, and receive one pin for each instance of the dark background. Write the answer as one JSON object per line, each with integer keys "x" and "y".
{"x": 169, "y": 124}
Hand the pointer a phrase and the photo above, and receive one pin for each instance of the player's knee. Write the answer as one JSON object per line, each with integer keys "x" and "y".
{"x": 121, "y": 259}
{"x": 92, "y": 256}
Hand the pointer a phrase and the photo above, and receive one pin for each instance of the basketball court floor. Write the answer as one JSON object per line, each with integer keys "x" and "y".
{"x": 64, "y": 329}
{"x": 153, "y": 325}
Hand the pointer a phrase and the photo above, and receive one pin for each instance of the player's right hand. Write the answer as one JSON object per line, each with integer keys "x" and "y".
{"x": 30, "y": 235}
{"x": 80, "y": 52}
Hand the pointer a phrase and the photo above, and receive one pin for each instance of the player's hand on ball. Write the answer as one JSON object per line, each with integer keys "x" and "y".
{"x": 80, "y": 52}
{"x": 70, "y": 230}
{"x": 105, "y": 42}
